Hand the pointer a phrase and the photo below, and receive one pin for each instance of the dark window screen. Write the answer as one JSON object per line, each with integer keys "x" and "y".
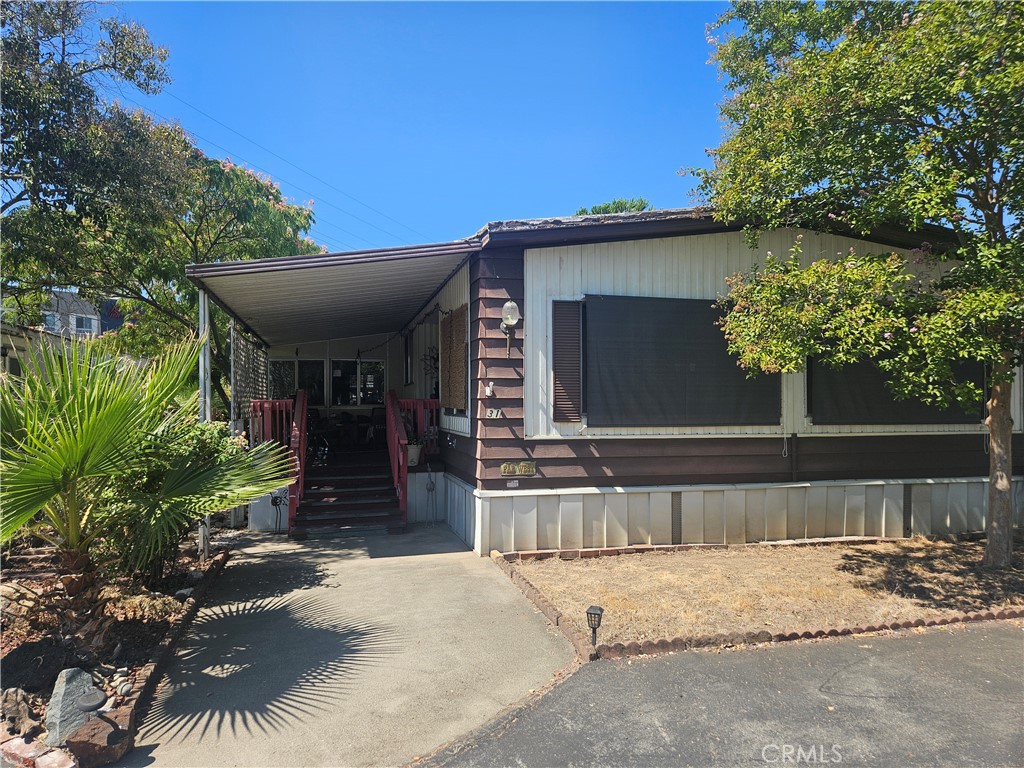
{"x": 857, "y": 394}
{"x": 663, "y": 362}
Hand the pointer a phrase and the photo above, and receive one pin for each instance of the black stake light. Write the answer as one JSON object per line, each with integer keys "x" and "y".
{"x": 594, "y": 614}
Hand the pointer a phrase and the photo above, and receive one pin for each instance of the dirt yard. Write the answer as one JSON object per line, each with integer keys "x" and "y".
{"x": 660, "y": 595}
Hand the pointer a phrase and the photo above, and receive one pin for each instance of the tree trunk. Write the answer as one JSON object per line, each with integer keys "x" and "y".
{"x": 999, "y": 521}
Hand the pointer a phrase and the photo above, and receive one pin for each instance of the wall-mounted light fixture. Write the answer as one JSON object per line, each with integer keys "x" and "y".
{"x": 489, "y": 389}
{"x": 510, "y": 317}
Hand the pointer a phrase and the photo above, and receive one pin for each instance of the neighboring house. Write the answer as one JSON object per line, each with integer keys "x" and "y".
{"x": 69, "y": 315}
{"x": 66, "y": 316}
{"x": 611, "y": 414}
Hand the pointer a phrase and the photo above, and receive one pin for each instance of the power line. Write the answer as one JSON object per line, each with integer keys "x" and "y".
{"x": 259, "y": 168}
{"x": 303, "y": 170}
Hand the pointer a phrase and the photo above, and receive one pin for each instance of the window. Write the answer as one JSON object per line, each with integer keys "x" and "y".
{"x": 85, "y": 325}
{"x": 637, "y": 362}
{"x": 857, "y": 394}
{"x": 358, "y": 382}
{"x": 311, "y": 379}
{"x": 51, "y": 322}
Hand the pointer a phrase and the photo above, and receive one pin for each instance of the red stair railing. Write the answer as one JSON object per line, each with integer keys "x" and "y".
{"x": 285, "y": 422}
{"x": 398, "y": 445}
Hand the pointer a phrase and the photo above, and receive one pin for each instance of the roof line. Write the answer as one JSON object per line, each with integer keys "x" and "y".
{"x": 285, "y": 263}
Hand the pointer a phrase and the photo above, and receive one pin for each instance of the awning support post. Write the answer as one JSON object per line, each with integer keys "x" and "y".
{"x": 204, "y": 402}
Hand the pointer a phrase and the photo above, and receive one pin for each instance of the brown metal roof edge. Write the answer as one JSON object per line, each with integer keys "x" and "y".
{"x": 312, "y": 261}
{"x": 681, "y": 221}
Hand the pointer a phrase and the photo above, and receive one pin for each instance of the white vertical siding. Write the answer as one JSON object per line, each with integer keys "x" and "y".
{"x": 736, "y": 514}
{"x": 687, "y": 267}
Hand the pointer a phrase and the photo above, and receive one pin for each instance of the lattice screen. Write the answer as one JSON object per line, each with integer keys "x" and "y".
{"x": 248, "y": 373}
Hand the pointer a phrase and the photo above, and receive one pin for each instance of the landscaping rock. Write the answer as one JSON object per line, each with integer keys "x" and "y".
{"x": 19, "y": 717}
{"x": 63, "y": 716}
{"x": 183, "y": 594}
{"x": 104, "y": 740}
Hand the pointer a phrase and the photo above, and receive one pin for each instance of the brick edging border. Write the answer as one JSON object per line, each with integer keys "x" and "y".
{"x": 587, "y": 652}
{"x": 649, "y": 647}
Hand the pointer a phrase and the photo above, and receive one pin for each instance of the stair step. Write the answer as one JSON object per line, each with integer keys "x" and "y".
{"x": 334, "y": 515}
{"x": 347, "y": 491}
{"x": 345, "y": 502}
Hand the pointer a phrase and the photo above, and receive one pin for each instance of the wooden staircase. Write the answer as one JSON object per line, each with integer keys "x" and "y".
{"x": 352, "y": 495}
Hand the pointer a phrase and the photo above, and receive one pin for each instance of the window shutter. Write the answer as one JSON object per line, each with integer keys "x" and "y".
{"x": 454, "y": 360}
{"x": 567, "y": 360}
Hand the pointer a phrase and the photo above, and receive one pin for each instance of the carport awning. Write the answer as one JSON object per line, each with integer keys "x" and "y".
{"x": 311, "y": 298}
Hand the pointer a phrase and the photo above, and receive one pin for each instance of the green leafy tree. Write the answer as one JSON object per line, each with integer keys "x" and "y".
{"x": 618, "y": 205}
{"x": 65, "y": 149}
{"x": 80, "y": 428}
{"x": 858, "y": 115}
{"x": 224, "y": 212}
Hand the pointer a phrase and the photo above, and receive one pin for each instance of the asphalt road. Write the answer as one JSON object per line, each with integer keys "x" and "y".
{"x": 943, "y": 696}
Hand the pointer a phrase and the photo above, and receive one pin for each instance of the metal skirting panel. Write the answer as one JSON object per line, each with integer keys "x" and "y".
{"x": 594, "y": 518}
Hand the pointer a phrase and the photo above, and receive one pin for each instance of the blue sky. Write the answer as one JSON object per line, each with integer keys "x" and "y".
{"x": 423, "y": 121}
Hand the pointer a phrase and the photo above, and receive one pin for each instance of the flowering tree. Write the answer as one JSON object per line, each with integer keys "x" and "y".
{"x": 853, "y": 116}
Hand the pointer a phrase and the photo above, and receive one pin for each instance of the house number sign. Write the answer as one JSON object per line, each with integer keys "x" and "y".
{"x": 493, "y": 413}
{"x": 518, "y": 468}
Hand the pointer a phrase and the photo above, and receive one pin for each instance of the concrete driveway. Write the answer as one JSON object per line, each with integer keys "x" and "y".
{"x": 347, "y": 653}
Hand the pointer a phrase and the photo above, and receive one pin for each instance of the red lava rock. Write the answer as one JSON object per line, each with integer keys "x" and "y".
{"x": 104, "y": 740}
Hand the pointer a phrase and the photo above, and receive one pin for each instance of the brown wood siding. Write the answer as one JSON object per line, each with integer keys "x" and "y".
{"x": 496, "y": 275}
{"x": 567, "y": 360}
{"x": 714, "y": 461}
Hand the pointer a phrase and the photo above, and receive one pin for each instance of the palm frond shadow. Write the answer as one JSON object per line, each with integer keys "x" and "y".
{"x": 262, "y": 666}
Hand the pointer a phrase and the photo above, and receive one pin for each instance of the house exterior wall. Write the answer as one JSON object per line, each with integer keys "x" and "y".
{"x": 620, "y": 484}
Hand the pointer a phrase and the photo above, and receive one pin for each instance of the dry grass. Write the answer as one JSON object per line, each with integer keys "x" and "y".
{"x": 782, "y": 589}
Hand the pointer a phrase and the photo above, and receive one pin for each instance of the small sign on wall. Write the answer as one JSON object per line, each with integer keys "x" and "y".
{"x": 493, "y": 413}
{"x": 519, "y": 469}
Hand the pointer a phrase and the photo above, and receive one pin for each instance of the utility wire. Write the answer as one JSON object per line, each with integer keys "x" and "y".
{"x": 311, "y": 175}
{"x": 258, "y": 168}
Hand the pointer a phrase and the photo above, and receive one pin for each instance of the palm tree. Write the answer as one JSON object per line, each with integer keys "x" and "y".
{"x": 81, "y": 426}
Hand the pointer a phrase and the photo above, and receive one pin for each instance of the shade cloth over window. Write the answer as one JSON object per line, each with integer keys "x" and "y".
{"x": 857, "y": 394}
{"x": 663, "y": 362}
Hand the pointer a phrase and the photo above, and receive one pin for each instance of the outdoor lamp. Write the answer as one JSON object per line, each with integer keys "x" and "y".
{"x": 594, "y": 614}
{"x": 510, "y": 317}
